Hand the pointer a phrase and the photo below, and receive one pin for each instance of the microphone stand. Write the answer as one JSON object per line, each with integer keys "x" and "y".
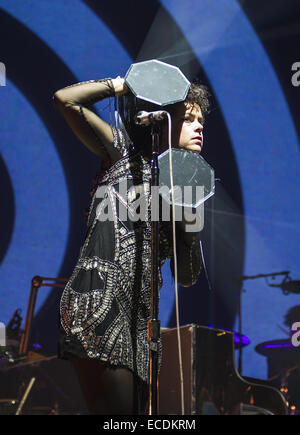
{"x": 240, "y": 361}
{"x": 154, "y": 323}
{"x": 264, "y": 275}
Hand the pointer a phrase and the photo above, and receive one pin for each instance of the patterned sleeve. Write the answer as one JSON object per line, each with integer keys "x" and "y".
{"x": 96, "y": 134}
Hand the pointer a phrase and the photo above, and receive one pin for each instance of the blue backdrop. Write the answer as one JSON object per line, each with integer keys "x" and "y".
{"x": 244, "y": 53}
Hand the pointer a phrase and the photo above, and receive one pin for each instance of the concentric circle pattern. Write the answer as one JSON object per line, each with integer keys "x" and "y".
{"x": 244, "y": 54}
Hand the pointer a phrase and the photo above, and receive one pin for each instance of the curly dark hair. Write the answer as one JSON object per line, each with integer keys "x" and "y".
{"x": 199, "y": 94}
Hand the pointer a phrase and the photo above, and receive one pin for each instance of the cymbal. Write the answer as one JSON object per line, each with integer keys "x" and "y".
{"x": 240, "y": 340}
{"x": 276, "y": 347}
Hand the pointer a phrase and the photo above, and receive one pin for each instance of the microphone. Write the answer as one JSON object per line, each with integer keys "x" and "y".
{"x": 292, "y": 286}
{"x": 265, "y": 275}
{"x": 146, "y": 118}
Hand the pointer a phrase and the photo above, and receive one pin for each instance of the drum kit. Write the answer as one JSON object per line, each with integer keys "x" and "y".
{"x": 283, "y": 355}
{"x": 284, "y": 362}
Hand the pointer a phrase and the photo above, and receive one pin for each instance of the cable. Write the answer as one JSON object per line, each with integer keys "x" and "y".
{"x": 23, "y": 400}
{"x": 205, "y": 269}
{"x": 175, "y": 266}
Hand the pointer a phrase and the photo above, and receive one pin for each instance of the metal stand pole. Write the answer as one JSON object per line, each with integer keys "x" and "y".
{"x": 36, "y": 283}
{"x": 240, "y": 363}
{"x": 154, "y": 323}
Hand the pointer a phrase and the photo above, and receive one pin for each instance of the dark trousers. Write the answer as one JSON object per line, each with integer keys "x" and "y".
{"x": 114, "y": 391}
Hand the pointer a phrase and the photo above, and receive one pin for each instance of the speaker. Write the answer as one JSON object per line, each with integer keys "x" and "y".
{"x": 211, "y": 382}
{"x": 169, "y": 391}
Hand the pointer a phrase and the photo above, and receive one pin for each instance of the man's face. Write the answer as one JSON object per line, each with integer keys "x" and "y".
{"x": 188, "y": 128}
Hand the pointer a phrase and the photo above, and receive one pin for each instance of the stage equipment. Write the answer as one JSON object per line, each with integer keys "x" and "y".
{"x": 193, "y": 178}
{"x": 47, "y": 386}
{"x": 14, "y": 325}
{"x": 24, "y": 398}
{"x": 36, "y": 283}
{"x": 212, "y": 383}
{"x": 161, "y": 84}
{"x": 287, "y": 285}
{"x": 239, "y": 339}
{"x": 146, "y": 118}
{"x": 10, "y": 351}
{"x": 283, "y": 369}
